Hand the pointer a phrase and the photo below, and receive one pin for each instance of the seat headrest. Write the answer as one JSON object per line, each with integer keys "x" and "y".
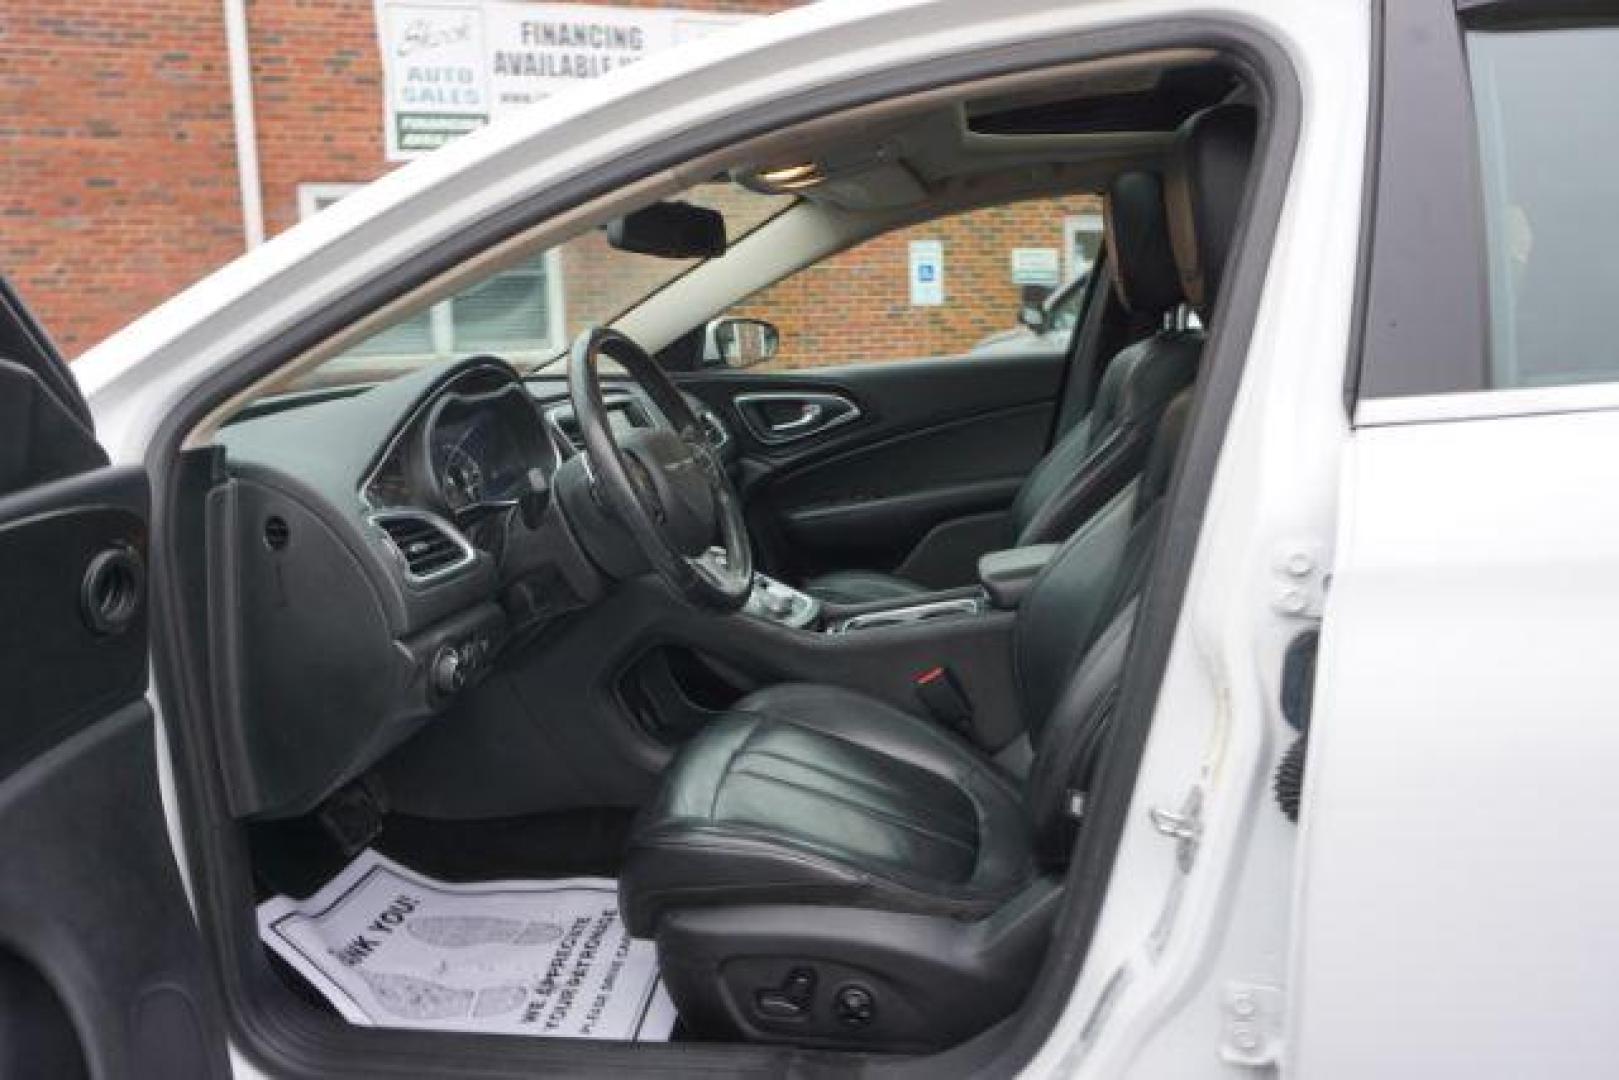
{"x": 1137, "y": 237}
{"x": 1208, "y": 175}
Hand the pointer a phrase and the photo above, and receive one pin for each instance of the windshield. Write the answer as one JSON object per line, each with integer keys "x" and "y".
{"x": 528, "y": 313}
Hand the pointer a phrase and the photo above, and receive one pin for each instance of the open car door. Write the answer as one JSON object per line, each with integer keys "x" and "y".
{"x": 102, "y": 970}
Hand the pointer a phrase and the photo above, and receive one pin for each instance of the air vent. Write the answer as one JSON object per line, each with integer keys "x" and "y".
{"x": 566, "y": 429}
{"x": 276, "y": 532}
{"x": 428, "y": 546}
{"x": 714, "y": 429}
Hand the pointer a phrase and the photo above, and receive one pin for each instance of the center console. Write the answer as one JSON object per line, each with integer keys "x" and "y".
{"x": 780, "y": 603}
{"x": 911, "y": 613}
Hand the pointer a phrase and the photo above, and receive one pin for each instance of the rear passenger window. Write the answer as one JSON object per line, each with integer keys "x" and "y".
{"x": 1547, "y": 108}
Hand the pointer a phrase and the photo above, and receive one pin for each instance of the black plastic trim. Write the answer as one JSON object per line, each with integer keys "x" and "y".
{"x": 1535, "y": 14}
{"x": 1368, "y": 213}
{"x": 1424, "y": 321}
{"x": 284, "y": 1038}
{"x": 24, "y": 340}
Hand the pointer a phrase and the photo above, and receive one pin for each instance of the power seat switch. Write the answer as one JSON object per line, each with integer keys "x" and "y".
{"x": 791, "y": 1000}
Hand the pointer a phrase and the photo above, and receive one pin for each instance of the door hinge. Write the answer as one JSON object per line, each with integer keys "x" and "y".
{"x": 1251, "y": 1033}
{"x": 1184, "y": 825}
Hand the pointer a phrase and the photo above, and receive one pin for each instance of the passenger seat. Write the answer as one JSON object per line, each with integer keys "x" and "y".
{"x": 1106, "y": 448}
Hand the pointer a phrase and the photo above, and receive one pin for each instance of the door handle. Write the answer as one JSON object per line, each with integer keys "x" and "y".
{"x": 808, "y": 417}
{"x": 783, "y": 416}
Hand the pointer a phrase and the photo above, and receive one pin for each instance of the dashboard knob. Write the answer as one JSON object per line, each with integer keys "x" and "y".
{"x": 448, "y": 673}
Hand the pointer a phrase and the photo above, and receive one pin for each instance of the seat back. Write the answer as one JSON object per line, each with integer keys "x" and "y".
{"x": 1099, "y": 455}
{"x": 1101, "y": 575}
{"x": 1074, "y": 624}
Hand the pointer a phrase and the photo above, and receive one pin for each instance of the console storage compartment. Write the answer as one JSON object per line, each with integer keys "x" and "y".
{"x": 1007, "y": 575}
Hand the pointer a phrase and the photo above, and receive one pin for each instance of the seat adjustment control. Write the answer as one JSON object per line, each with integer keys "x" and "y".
{"x": 791, "y": 1000}
{"x": 854, "y": 1006}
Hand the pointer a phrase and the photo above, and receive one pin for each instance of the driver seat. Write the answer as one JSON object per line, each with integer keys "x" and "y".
{"x": 824, "y": 869}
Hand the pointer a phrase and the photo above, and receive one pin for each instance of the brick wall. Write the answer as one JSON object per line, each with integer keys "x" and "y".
{"x": 117, "y": 161}
{"x": 857, "y": 305}
{"x": 118, "y": 182}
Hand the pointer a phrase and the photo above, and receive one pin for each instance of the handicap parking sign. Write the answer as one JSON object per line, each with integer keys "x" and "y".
{"x": 927, "y": 273}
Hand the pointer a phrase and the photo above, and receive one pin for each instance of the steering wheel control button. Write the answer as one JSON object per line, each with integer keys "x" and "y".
{"x": 854, "y": 1006}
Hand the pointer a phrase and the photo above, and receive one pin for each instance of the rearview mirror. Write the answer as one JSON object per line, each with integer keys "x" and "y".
{"x": 670, "y": 230}
{"x": 1032, "y": 307}
{"x": 740, "y": 343}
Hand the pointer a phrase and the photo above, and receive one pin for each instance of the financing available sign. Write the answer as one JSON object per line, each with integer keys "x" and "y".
{"x": 452, "y": 66}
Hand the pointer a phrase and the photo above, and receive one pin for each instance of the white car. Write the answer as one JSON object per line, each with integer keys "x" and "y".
{"x": 1048, "y": 325}
{"x": 366, "y": 710}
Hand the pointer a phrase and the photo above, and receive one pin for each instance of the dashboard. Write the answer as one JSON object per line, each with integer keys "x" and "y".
{"x": 485, "y": 442}
{"x": 407, "y": 532}
{"x": 477, "y": 444}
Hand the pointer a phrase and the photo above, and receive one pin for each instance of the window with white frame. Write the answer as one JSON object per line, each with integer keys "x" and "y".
{"x": 517, "y": 313}
{"x": 1081, "y": 243}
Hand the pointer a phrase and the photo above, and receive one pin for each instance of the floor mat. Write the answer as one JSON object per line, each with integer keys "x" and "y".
{"x": 389, "y": 947}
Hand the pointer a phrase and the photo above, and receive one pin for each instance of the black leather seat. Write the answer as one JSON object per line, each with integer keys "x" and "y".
{"x": 823, "y": 868}
{"x": 814, "y": 839}
{"x": 812, "y": 794}
{"x": 1100, "y": 453}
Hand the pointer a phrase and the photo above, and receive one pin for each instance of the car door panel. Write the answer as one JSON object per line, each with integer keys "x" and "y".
{"x": 936, "y": 444}
{"x": 102, "y": 970}
{"x": 90, "y": 901}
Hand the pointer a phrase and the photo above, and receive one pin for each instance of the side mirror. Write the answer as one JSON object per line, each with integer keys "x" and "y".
{"x": 740, "y": 343}
{"x": 670, "y": 230}
{"x": 1032, "y": 307}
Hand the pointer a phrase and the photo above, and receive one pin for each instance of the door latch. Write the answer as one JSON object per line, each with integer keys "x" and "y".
{"x": 1253, "y": 1028}
{"x": 1185, "y": 826}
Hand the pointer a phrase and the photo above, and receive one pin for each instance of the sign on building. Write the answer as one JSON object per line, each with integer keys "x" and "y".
{"x": 452, "y": 66}
{"x": 1036, "y": 266}
{"x": 927, "y": 273}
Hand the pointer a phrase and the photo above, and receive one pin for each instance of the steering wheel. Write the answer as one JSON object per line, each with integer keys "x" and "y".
{"x": 663, "y": 483}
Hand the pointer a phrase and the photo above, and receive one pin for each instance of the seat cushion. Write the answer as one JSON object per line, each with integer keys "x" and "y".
{"x": 860, "y": 587}
{"x": 810, "y": 794}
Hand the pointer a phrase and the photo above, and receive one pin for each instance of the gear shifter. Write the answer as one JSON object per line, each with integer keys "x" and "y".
{"x": 781, "y": 603}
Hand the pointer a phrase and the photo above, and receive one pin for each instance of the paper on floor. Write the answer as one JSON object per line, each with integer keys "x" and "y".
{"x": 391, "y": 948}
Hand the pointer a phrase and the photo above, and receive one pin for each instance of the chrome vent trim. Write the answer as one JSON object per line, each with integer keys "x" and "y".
{"x": 718, "y": 434}
{"x": 428, "y": 547}
{"x": 568, "y": 442}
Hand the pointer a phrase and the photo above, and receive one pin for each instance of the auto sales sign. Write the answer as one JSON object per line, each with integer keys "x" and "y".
{"x": 453, "y": 66}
